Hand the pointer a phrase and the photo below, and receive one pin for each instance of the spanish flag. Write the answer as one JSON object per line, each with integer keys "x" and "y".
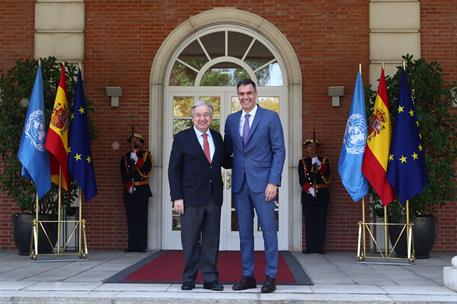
{"x": 57, "y": 136}
{"x": 376, "y": 155}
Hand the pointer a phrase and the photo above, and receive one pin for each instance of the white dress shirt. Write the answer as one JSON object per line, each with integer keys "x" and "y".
{"x": 210, "y": 141}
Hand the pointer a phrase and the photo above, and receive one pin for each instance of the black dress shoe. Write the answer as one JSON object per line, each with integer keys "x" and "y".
{"x": 307, "y": 250}
{"x": 269, "y": 285}
{"x": 187, "y": 285}
{"x": 214, "y": 285}
{"x": 128, "y": 250}
{"x": 322, "y": 251}
{"x": 245, "y": 283}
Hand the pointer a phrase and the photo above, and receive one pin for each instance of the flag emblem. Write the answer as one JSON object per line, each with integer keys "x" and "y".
{"x": 59, "y": 118}
{"x": 377, "y": 123}
{"x": 35, "y": 130}
{"x": 354, "y": 136}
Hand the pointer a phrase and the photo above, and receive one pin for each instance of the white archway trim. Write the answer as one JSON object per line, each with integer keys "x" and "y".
{"x": 294, "y": 83}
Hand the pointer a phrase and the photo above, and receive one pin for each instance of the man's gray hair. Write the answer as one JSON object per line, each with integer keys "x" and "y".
{"x": 200, "y": 103}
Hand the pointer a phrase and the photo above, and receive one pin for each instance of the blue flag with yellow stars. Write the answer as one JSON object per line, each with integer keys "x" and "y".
{"x": 80, "y": 161}
{"x": 407, "y": 171}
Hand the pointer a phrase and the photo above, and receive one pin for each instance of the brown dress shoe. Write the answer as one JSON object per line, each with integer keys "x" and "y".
{"x": 245, "y": 283}
{"x": 269, "y": 285}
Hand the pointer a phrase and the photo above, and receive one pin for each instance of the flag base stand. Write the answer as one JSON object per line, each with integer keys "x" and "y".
{"x": 386, "y": 255}
{"x": 79, "y": 224}
{"x": 38, "y": 227}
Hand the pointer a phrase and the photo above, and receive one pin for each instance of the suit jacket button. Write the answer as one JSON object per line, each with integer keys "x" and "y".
{"x": 210, "y": 181}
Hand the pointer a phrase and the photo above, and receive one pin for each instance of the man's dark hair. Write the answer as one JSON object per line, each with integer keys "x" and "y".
{"x": 244, "y": 82}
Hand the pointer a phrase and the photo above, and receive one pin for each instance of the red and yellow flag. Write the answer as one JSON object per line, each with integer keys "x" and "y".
{"x": 376, "y": 156}
{"x": 57, "y": 136}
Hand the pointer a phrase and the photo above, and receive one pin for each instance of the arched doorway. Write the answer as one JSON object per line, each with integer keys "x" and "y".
{"x": 204, "y": 61}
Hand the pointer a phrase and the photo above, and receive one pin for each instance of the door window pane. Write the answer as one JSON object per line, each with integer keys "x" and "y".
{"x": 214, "y": 44}
{"x": 258, "y": 55}
{"x": 182, "y": 113}
{"x": 193, "y": 55}
{"x": 238, "y": 44}
{"x": 270, "y": 75}
{"x": 182, "y": 75}
{"x": 223, "y": 74}
{"x": 215, "y": 101}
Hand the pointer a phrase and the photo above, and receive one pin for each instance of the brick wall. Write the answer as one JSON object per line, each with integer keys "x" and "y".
{"x": 16, "y": 41}
{"x": 439, "y": 43}
{"x": 121, "y": 40}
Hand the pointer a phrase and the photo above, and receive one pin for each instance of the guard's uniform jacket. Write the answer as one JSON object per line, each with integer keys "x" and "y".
{"x": 135, "y": 179}
{"x": 315, "y": 208}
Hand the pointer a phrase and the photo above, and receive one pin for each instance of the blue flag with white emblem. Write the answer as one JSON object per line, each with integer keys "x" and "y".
{"x": 32, "y": 154}
{"x": 80, "y": 160}
{"x": 407, "y": 171}
{"x": 354, "y": 141}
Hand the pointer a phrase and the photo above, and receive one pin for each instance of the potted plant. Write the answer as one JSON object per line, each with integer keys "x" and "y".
{"x": 15, "y": 89}
{"x": 432, "y": 99}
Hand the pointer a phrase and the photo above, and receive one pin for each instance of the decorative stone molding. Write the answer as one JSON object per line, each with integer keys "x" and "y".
{"x": 394, "y": 31}
{"x": 59, "y": 29}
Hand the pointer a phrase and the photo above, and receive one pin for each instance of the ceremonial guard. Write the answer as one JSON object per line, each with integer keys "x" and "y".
{"x": 135, "y": 166}
{"x": 314, "y": 175}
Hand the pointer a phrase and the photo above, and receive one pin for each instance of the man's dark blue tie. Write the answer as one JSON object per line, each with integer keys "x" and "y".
{"x": 246, "y": 129}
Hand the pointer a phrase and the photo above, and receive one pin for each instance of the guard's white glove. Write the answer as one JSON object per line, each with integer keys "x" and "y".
{"x": 131, "y": 189}
{"x": 133, "y": 156}
{"x": 312, "y": 191}
{"x": 316, "y": 161}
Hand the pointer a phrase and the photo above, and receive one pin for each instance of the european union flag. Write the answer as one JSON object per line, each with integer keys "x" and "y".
{"x": 354, "y": 141}
{"x": 80, "y": 161}
{"x": 32, "y": 154}
{"x": 407, "y": 172}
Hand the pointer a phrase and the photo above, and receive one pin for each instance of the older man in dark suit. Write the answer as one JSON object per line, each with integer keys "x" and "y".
{"x": 194, "y": 174}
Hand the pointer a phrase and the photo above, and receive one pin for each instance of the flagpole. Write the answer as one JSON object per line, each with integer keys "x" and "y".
{"x": 363, "y": 204}
{"x": 386, "y": 245}
{"x": 363, "y": 229}
{"x": 80, "y": 222}
{"x": 408, "y": 231}
{"x": 35, "y": 228}
{"x": 58, "y": 209}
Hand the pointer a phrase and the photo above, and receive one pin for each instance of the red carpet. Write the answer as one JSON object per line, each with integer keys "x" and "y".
{"x": 167, "y": 268}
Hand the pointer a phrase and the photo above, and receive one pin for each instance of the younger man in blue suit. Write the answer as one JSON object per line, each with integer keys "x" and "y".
{"x": 255, "y": 137}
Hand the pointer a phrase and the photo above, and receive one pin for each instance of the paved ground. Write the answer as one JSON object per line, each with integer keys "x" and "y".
{"x": 336, "y": 276}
